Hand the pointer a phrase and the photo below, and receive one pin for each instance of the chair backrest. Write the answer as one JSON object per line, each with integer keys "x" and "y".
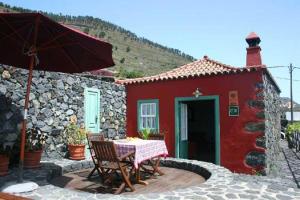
{"x": 105, "y": 151}
{"x": 154, "y": 136}
{"x": 94, "y": 137}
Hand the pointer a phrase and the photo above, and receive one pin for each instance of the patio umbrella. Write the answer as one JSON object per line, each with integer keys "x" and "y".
{"x": 33, "y": 41}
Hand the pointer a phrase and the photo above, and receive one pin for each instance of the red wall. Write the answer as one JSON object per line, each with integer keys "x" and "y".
{"x": 236, "y": 143}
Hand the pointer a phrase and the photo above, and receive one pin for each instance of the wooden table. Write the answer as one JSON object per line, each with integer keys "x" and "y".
{"x": 144, "y": 150}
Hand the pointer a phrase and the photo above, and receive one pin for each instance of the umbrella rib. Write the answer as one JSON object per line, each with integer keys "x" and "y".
{"x": 63, "y": 50}
{"x": 39, "y": 49}
{"x": 53, "y": 40}
{"x": 12, "y": 28}
{"x": 91, "y": 52}
{"x": 10, "y": 35}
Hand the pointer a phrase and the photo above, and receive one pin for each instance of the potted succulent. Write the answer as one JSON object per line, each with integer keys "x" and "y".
{"x": 76, "y": 138}
{"x": 35, "y": 141}
{"x": 4, "y": 159}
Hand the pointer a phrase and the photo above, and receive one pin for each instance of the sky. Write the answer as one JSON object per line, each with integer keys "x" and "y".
{"x": 216, "y": 28}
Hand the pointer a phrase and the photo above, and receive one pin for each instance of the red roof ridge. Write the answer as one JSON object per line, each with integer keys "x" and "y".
{"x": 219, "y": 63}
{"x": 201, "y": 67}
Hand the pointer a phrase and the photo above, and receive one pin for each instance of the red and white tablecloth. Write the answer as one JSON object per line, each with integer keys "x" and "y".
{"x": 144, "y": 149}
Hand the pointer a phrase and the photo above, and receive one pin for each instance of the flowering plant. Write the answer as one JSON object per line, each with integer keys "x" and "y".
{"x": 35, "y": 139}
{"x": 75, "y": 135}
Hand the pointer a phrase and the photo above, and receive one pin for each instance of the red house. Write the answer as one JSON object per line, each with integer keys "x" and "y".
{"x": 212, "y": 112}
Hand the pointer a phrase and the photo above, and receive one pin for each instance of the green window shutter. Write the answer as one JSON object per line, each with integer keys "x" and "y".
{"x": 148, "y": 114}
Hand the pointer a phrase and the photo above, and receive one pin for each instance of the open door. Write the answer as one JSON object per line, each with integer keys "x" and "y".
{"x": 183, "y": 146}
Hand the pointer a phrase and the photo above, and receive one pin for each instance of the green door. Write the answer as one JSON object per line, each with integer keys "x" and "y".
{"x": 183, "y": 135}
{"x": 92, "y": 109}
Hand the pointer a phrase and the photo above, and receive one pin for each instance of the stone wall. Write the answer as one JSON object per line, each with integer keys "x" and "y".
{"x": 272, "y": 126}
{"x": 266, "y": 106}
{"x": 54, "y": 98}
{"x": 256, "y": 158}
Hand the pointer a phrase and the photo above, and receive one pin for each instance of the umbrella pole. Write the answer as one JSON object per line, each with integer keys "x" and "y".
{"x": 24, "y": 123}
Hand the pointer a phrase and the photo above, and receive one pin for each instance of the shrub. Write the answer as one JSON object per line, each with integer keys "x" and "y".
{"x": 291, "y": 129}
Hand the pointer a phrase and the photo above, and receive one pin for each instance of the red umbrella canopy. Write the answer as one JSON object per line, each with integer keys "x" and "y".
{"x": 57, "y": 47}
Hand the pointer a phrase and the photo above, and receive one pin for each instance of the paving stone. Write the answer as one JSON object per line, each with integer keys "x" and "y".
{"x": 283, "y": 197}
{"x": 247, "y": 196}
{"x": 231, "y": 196}
{"x": 222, "y": 184}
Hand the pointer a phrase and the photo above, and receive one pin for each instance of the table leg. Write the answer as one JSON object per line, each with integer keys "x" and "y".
{"x": 138, "y": 177}
{"x": 156, "y": 167}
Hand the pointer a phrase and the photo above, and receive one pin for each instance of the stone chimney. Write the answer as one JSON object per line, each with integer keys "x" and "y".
{"x": 253, "y": 51}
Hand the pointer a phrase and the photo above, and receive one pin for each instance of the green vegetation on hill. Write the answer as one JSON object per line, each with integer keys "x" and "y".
{"x": 134, "y": 56}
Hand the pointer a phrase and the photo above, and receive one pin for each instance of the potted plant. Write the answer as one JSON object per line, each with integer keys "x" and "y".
{"x": 76, "y": 138}
{"x": 35, "y": 141}
{"x": 145, "y": 133}
{"x": 4, "y": 159}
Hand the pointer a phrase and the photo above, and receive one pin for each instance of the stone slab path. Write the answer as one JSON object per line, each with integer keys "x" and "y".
{"x": 293, "y": 162}
{"x": 221, "y": 185}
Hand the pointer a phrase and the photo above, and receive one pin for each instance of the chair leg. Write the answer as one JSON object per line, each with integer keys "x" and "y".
{"x": 126, "y": 178}
{"x": 92, "y": 172}
{"x": 120, "y": 189}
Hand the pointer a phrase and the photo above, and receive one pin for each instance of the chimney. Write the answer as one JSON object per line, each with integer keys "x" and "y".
{"x": 253, "y": 51}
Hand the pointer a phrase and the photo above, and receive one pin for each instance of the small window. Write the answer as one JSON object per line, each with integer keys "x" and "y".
{"x": 148, "y": 114}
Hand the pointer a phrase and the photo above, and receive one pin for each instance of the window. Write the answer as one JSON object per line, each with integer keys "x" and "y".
{"x": 148, "y": 114}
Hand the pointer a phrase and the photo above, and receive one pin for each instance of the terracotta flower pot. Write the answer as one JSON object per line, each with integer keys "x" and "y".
{"x": 76, "y": 151}
{"x": 4, "y": 160}
{"x": 32, "y": 159}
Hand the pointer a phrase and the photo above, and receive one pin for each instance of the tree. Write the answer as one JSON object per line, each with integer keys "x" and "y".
{"x": 86, "y": 30}
{"x": 102, "y": 34}
{"x": 127, "y": 49}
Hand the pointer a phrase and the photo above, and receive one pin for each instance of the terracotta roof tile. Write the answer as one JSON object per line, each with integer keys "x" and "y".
{"x": 203, "y": 67}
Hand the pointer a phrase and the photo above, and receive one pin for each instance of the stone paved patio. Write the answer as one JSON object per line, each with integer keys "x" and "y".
{"x": 222, "y": 184}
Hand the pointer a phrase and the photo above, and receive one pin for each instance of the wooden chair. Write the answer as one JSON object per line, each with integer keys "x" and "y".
{"x": 94, "y": 137}
{"x": 154, "y": 162}
{"x": 110, "y": 163}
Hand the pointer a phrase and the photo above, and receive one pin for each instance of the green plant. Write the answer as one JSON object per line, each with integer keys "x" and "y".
{"x": 35, "y": 139}
{"x": 145, "y": 133}
{"x": 75, "y": 135}
{"x": 258, "y": 172}
{"x": 291, "y": 129}
{"x": 86, "y": 30}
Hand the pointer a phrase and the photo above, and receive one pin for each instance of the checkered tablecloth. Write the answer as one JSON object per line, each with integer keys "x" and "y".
{"x": 144, "y": 149}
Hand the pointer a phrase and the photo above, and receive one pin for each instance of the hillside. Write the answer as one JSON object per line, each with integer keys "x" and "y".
{"x": 134, "y": 56}
{"x": 286, "y": 104}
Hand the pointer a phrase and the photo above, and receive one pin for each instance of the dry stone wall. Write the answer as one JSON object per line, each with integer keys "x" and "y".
{"x": 266, "y": 105}
{"x": 54, "y": 98}
{"x": 272, "y": 127}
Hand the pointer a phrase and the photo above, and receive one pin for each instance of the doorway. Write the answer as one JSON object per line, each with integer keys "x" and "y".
{"x": 92, "y": 109}
{"x": 197, "y": 128}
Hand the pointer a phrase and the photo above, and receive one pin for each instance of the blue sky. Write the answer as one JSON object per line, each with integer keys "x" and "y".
{"x": 215, "y": 28}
